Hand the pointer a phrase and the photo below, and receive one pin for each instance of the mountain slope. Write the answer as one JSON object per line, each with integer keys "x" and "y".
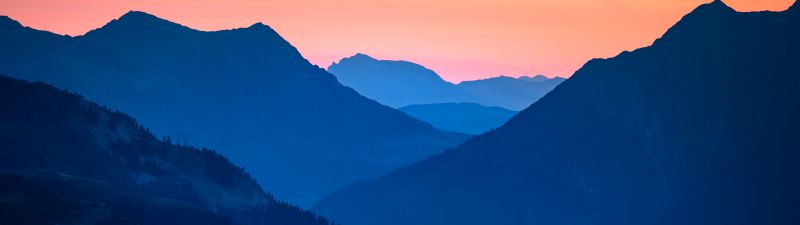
{"x": 509, "y": 92}
{"x": 246, "y": 91}
{"x": 699, "y": 128}
{"x": 402, "y": 83}
{"x": 468, "y": 118}
{"x": 66, "y": 160}
{"x": 393, "y": 83}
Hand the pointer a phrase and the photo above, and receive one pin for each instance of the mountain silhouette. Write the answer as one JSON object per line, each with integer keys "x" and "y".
{"x": 468, "y": 118}
{"x": 245, "y": 91}
{"x": 393, "y": 83}
{"x": 509, "y": 92}
{"x": 65, "y": 160}
{"x": 401, "y": 83}
{"x": 537, "y": 78}
{"x": 699, "y": 128}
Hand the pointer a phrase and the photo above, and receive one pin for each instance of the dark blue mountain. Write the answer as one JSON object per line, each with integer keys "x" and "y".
{"x": 699, "y": 128}
{"x": 245, "y": 91}
{"x": 402, "y": 83}
{"x": 65, "y": 160}
{"x": 468, "y": 118}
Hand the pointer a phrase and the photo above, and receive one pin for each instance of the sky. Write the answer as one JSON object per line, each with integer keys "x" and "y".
{"x": 459, "y": 39}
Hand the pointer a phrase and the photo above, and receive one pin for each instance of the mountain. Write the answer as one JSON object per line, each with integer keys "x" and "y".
{"x": 468, "y": 118}
{"x": 699, "y": 128}
{"x": 65, "y": 160}
{"x": 509, "y": 92}
{"x": 402, "y": 83}
{"x": 245, "y": 91}
{"x": 393, "y": 83}
{"x": 537, "y": 78}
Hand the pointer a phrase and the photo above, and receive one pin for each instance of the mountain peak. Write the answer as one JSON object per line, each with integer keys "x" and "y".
{"x": 259, "y": 25}
{"x": 717, "y": 5}
{"x": 134, "y": 22}
{"x": 794, "y": 7}
{"x": 361, "y": 56}
{"x": 133, "y": 14}
{"x": 7, "y": 22}
{"x": 490, "y": 79}
{"x": 142, "y": 18}
{"x": 358, "y": 57}
{"x": 709, "y": 16}
{"x": 710, "y": 10}
{"x": 535, "y": 78}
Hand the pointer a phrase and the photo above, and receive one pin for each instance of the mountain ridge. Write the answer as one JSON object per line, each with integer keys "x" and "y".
{"x": 468, "y": 118}
{"x": 58, "y": 148}
{"x": 675, "y": 133}
{"x": 398, "y": 83}
{"x": 300, "y": 131}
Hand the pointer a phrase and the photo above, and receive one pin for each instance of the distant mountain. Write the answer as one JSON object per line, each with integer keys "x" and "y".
{"x": 537, "y": 78}
{"x": 402, "y": 83}
{"x": 393, "y": 83}
{"x": 699, "y": 128}
{"x": 65, "y": 160}
{"x": 245, "y": 91}
{"x": 509, "y": 92}
{"x": 468, "y": 118}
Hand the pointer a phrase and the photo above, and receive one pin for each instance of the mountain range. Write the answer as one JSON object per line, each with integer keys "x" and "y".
{"x": 245, "y": 91}
{"x": 468, "y": 118}
{"x": 66, "y": 160}
{"x": 698, "y": 128}
{"x": 402, "y": 83}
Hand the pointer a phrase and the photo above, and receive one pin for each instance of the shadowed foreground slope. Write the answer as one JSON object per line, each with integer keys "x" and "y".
{"x": 64, "y": 160}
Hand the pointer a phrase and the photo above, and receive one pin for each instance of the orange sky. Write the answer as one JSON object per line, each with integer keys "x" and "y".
{"x": 460, "y": 39}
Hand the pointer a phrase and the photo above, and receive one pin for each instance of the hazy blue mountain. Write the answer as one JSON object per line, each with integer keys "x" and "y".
{"x": 245, "y": 91}
{"x": 393, "y": 83}
{"x": 65, "y": 160}
{"x": 699, "y": 128}
{"x": 537, "y": 78}
{"x": 468, "y": 118}
{"x": 508, "y": 92}
{"x": 402, "y": 83}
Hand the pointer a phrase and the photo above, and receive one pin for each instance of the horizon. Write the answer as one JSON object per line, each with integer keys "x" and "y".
{"x": 553, "y": 41}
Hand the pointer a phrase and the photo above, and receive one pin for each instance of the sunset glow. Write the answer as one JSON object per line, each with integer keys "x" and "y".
{"x": 460, "y": 39}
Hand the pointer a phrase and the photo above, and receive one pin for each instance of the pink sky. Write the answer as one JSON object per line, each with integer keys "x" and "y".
{"x": 460, "y": 39}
